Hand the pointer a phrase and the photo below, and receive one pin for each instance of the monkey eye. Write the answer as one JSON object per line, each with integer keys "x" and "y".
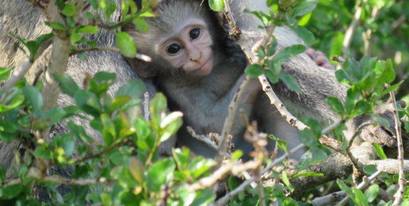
{"x": 173, "y": 48}
{"x": 194, "y": 33}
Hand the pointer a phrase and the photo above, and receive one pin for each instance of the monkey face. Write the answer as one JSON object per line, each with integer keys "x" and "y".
{"x": 189, "y": 48}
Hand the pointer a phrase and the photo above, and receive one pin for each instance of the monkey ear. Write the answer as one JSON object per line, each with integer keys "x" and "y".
{"x": 142, "y": 68}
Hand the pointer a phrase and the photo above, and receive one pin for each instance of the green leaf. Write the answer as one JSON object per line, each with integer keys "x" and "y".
{"x": 4, "y": 73}
{"x": 372, "y": 192}
{"x": 290, "y": 82}
{"x": 55, "y": 26}
{"x": 119, "y": 101}
{"x": 55, "y": 114}
{"x": 391, "y": 88}
{"x": 305, "y": 34}
{"x": 236, "y": 155}
{"x": 186, "y": 195}
{"x": 106, "y": 199}
{"x": 88, "y": 102}
{"x": 204, "y": 197}
{"x": 362, "y": 107}
{"x": 75, "y": 37}
{"x": 272, "y": 48}
{"x": 305, "y": 19}
{"x": 69, "y": 9}
{"x": 359, "y": 197}
{"x": 160, "y": 173}
{"x": 144, "y": 140}
{"x": 158, "y": 106}
{"x": 286, "y": 180}
{"x": 101, "y": 82}
{"x": 170, "y": 125}
{"x": 181, "y": 157}
{"x": 133, "y": 88}
{"x": 67, "y": 84}
{"x": 34, "y": 98}
{"x": 305, "y": 7}
{"x": 199, "y": 166}
{"x": 336, "y": 44}
{"x": 389, "y": 74}
{"x": 125, "y": 44}
{"x": 89, "y": 29}
{"x": 369, "y": 169}
{"x": 16, "y": 98}
{"x": 43, "y": 151}
{"x": 108, "y": 131}
{"x": 379, "y": 151}
{"x": 342, "y": 76}
{"x": 9, "y": 192}
{"x": 216, "y": 5}
{"x": 254, "y": 70}
{"x": 306, "y": 173}
{"x": 280, "y": 144}
{"x": 345, "y": 188}
{"x": 140, "y": 24}
{"x": 288, "y": 52}
{"x": 34, "y": 45}
{"x": 271, "y": 76}
{"x": 336, "y": 105}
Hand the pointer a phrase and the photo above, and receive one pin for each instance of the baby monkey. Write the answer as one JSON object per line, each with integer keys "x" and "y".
{"x": 196, "y": 66}
{"x": 199, "y": 69}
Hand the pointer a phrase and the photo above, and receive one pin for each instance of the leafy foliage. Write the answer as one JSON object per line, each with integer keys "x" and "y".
{"x": 111, "y": 151}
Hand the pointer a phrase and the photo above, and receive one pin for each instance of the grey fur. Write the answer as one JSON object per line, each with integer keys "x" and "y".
{"x": 21, "y": 18}
{"x": 204, "y": 100}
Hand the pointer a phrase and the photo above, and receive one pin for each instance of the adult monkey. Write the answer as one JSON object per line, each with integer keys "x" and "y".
{"x": 200, "y": 70}
{"x": 21, "y": 18}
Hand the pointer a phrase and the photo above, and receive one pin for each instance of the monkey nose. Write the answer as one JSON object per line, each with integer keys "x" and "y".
{"x": 195, "y": 56}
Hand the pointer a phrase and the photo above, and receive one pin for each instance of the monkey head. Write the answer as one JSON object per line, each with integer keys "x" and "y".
{"x": 179, "y": 39}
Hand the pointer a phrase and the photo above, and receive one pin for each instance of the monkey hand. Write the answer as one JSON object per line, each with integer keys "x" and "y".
{"x": 384, "y": 133}
{"x": 319, "y": 58}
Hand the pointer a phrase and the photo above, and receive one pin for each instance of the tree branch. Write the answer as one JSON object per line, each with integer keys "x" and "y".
{"x": 17, "y": 75}
{"x": 401, "y": 182}
{"x": 332, "y": 198}
{"x": 351, "y": 29}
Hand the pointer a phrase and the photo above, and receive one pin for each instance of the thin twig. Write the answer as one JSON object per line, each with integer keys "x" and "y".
{"x": 401, "y": 182}
{"x": 234, "y": 32}
{"x": 243, "y": 186}
{"x": 367, "y": 35}
{"x": 351, "y": 29}
{"x": 59, "y": 56}
{"x": 17, "y": 75}
{"x": 226, "y": 168}
{"x": 329, "y": 199}
{"x": 397, "y": 23}
{"x": 146, "y": 102}
{"x": 354, "y": 160}
{"x": 142, "y": 57}
{"x": 202, "y": 138}
{"x": 56, "y": 179}
{"x": 232, "y": 110}
{"x": 390, "y": 166}
{"x": 100, "y": 153}
{"x": 274, "y": 100}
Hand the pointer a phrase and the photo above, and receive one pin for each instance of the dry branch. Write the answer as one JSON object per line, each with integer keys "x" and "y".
{"x": 332, "y": 198}
{"x": 401, "y": 182}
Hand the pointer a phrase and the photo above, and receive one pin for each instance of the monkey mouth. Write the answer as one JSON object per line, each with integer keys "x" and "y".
{"x": 206, "y": 67}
